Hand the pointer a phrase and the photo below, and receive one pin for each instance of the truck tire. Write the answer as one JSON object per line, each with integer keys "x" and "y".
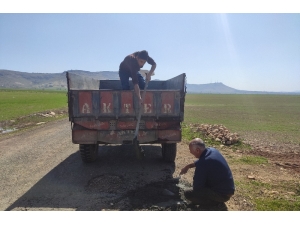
{"x": 169, "y": 152}
{"x": 89, "y": 152}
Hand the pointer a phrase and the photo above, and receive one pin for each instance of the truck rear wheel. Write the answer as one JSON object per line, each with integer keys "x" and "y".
{"x": 89, "y": 152}
{"x": 169, "y": 151}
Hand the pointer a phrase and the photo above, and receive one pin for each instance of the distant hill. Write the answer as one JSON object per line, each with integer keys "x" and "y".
{"x": 220, "y": 88}
{"x": 211, "y": 88}
{"x": 57, "y": 81}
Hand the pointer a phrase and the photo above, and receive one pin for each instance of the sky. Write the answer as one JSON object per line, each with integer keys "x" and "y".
{"x": 246, "y": 48}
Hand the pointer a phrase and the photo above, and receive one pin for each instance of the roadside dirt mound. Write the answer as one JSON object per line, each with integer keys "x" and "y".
{"x": 285, "y": 155}
{"x": 287, "y": 160}
{"x": 217, "y": 132}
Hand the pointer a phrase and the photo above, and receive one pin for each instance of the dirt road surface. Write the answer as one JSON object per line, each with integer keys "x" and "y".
{"x": 41, "y": 169}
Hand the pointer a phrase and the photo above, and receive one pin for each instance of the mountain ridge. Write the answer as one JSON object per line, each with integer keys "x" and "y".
{"x": 23, "y": 80}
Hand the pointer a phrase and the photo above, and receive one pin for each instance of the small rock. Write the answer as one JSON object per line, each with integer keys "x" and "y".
{"x": 40, "y": 123}
{"x": 182, "y": 186}
{"x": 251, "y": 177}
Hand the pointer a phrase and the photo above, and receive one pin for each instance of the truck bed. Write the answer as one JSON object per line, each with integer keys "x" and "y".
{"x": 101, "y": 112}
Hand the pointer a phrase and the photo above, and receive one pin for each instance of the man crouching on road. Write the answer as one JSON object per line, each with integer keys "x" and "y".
{"x": 213, "y": 182}
{"x": 130, "y": 67}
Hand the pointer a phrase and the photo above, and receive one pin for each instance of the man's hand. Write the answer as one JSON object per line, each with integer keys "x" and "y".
{"x": 141, "y": 101}
{"x": 184, "y": 170}
{"x": 148, "y": 77}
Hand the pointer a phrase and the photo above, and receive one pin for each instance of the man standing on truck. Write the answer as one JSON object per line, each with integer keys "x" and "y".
{"x": 213, "y": 181}
{"x": 130, "y": 67}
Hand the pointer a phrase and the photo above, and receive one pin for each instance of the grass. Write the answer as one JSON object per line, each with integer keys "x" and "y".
{"x": 250, "y": 189}
{"x": 285, "y": 198}
{"x": 260, "y": 194}
{"x": 17, "y": 103}
{"x": 277, "y": 114}
{"x": 244, "y": 112}
{"x": 277, "y": 205}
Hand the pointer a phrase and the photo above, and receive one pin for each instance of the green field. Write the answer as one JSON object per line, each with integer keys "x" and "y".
{"x": 278, "y": 114}
{"x": 17, "y": 103}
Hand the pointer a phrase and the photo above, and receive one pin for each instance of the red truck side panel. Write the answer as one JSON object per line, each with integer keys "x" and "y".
{"x": 167, "y": 100}
{"x": 101, "y": 112}
{"x": 127, "y": 125}
{"x": 85, "y": 102}
{"x": 148, "y": 106}
{"x": 94, "y": 124}
{"x": 117, "y": 104}
{"x": 121, "y": 136}
{"x": 106, "y": 103}
{"x": 127, "y": 103}
{"x": 84, "y": 136}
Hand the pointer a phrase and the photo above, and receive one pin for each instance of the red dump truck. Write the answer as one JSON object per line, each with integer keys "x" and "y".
{"x": 102, "y": 113}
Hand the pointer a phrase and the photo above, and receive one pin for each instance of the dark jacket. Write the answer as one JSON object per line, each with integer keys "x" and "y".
{"x": 130, "y": 66}
{"x": 212, "y": 171}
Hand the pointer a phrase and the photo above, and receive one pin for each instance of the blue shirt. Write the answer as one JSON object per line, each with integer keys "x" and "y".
{"x": 212, "y": 171}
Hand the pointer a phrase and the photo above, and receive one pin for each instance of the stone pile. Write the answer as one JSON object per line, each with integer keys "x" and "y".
{"x": 48, "y": 114}
{"x": 217, "y": 132}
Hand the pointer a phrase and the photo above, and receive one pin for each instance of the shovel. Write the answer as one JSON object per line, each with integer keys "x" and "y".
{"x": 135, "y": 142}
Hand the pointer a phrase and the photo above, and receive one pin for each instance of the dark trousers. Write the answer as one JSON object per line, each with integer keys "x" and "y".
{"x": 205, "y": 197}
{"x": 124, "y": 77}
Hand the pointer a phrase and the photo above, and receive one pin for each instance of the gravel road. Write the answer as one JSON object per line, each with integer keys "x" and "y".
{"x": 41, "y": 169}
